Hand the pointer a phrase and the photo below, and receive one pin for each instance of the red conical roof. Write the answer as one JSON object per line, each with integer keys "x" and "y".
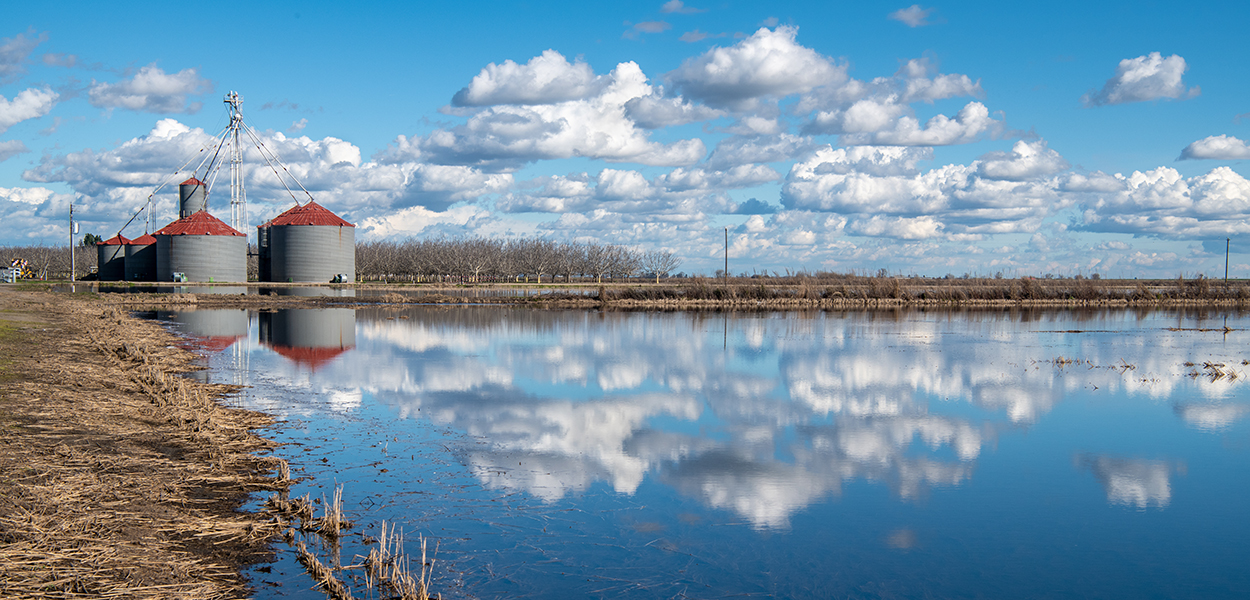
{"x": 308, "y": 214}
{"x": 199, "y": 223}
{"x": 116, "y": 240}
{"x": 211, "y": 343}
{"x": 143, "y": 240}
{"x": 192, "y": 181}
{"x": 313, "y": 358}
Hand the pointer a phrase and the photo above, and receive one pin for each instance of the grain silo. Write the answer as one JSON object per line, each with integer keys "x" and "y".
{"x": 192, "y": 197}
{"x": 111, "y": 258}
{"x": 201, "y": 248}
{"x": 141, "y": 259}
{"x": 307, "y": 244}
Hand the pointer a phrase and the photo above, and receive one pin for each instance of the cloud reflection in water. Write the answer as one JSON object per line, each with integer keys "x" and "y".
{"x": 789, "y": 410}
{"x": 1138, "y": 483}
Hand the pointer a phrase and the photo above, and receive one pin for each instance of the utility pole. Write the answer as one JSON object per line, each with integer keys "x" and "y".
{"x": 1228, "y": 244}
{"x": 726, "y": 256}
{"x": 72, "y": 263}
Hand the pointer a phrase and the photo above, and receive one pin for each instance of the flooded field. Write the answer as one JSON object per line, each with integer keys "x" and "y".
{"x": 581, "y": 454}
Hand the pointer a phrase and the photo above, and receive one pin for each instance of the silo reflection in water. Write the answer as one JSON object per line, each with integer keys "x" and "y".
{"x": 208, "y": 331}
{"x": 310, "y": 337}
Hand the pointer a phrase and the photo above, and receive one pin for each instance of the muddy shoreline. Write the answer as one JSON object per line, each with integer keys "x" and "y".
{"x": 118, "y": 476}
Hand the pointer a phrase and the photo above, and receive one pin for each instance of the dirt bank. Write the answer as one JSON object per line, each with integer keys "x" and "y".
{"x": 118, "y": 478}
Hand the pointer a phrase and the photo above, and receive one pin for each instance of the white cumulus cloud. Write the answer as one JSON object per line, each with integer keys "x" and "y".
{"x": 972, "y": 123}
{"x": 770, "y": 63}
{"x": 27, "y": 104}
{"x": 545, "y": 79}
{"x": 1222, "y": 147}
{"x": 12, "y": 148}
{"x": 1162, "y": 203}
{"x": 890, "y": 197}
{"x": 654, "y": 112}
{"x": 1147, "y": 77}
{"x": 152, "y": 90}
{"x": 506, "y": 136}
{"x": 1027, "y": 160}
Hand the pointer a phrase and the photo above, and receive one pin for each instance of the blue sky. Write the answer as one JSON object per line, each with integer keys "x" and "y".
{"x": 1066, "y": 138}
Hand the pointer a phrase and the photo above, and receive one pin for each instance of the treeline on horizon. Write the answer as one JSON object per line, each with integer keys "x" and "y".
{"x": 471, "y": 260}
{"x": 485, "y": 260}
{"x": 834, "y": 288}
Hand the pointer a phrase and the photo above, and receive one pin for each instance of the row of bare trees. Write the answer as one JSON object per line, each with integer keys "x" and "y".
{"x": 444, "y": 259}
{"x": 51, "y": 262}
{"x": 475, "y": 259}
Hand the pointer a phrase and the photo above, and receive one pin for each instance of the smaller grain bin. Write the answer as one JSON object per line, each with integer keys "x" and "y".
{"x": 141, "y": 259}
{"x": 307, "y": 244}
{"x": 111, "y": 258}
{"x": 192, "y": 197}
{"x": 202, "y": 248}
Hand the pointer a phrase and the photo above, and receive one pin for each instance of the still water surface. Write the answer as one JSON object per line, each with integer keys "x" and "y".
{"x": 580, "y": 454}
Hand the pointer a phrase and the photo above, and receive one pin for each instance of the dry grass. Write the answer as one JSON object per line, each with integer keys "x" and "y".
{"x": 323, "y": 575}
{"x": 117, "y": 477}
{"x": 839, "y": 292}
{"x": 388, "y": 565}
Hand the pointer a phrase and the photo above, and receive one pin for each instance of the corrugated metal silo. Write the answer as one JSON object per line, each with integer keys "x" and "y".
{"x": 111, "y": 258}
{"x": 141, "y": 259}
{"x": 263, "y": 261}
{"x": 307, "y": 244}
{"x": 192, "y": 197}
{"x": 202, "y": 248}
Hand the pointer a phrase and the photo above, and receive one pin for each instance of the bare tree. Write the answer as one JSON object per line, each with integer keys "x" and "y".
{"x": 537, "y": 256}
{"x": 660, "y": 263}
{"x": 479, "y": 255}
{"x": 623, "y": 262}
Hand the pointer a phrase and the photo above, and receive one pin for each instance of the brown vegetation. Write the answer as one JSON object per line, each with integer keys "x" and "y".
{"x": 837, "y": 291}
{"x": 118, "y": 477}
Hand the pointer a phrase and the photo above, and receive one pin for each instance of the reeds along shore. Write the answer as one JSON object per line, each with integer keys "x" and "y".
{"x": 851, "y": 291}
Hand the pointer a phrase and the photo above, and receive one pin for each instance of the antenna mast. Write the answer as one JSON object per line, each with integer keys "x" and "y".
{"x": 238, "y": 195}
